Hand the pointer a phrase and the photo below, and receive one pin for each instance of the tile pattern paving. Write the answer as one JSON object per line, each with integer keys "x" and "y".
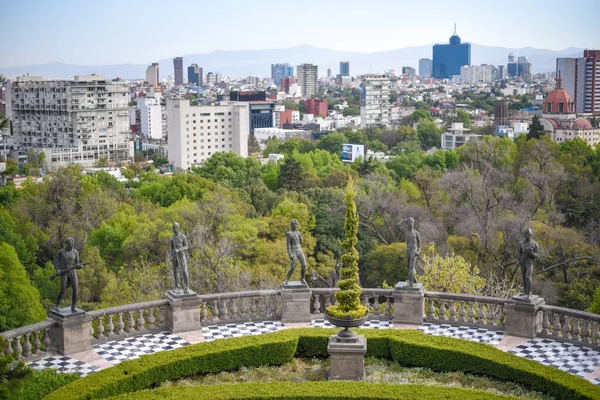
{"x": 480, "y": 335}
{"x": 134, "y": 347}
{"x": 64, "y": 364}
{"x": 215, "y": 332}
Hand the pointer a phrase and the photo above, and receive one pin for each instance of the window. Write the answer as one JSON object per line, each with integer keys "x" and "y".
{"x": 549, "y": 109}
{"x": 561, "y": 107}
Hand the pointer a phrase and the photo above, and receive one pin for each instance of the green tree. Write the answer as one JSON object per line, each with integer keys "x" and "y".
{"x": 595, "y": 307}
{"x": 429, "y": 134}
{"x": 332, "y": 142}
{"x": 19, "y": 299}
{"x": 291, "y": 175}
{"x": 536, "y": 129}
{"x": 351, "y": 111}
{"x": 422, "y": 115}
{"x": 384, "y": 263}
{"x": 422, "y": 105}
{"x": 12, "y": 374}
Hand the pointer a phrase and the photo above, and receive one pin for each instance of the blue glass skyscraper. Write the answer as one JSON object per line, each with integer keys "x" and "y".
{"x": 280, "y": 71}
{"x": 448, "y": 58}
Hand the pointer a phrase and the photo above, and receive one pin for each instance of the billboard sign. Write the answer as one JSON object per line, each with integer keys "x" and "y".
{"x": 351, "y": 152}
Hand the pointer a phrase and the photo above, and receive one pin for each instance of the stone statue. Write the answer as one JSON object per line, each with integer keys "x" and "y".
{"x": 66, "y": 262}
{"x": 413, "y": 246}
{"x": 179, "y": 246}
{"x": 293, "y": 243}
{"x": 528, "y": 252}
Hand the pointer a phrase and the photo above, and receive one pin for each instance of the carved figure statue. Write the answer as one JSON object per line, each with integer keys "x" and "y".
{"x": 179, "y": 246}
{"x": 528, "y": 252}
{"x": 66, "y": 262}
{"x": 293, "y": 243}
{"x": 413, "y": 246}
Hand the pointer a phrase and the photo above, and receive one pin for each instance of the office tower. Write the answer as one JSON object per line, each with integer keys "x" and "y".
{"x": 500, "y": 72}
{"x": 152, "y": 76}
{"x": 307, "y": 76}
{"x": 317, "y": 107}
{"x": 280, "y": 71}
{"x": 211, "y": 79}
{"x": 344, "y": 68}
{"x": 524, "y": 66}
{"x": 178, "y": 70}
{"x": 477, "y": 73}
{"x": 375, "y": 101}
{"x": 71, "y": 121}
{"x": 581, "y": 77}
{"x": 448, "y": 58}
{"x": 409, "y": 71}
{"x": 197, "y": 132}
{"x": 195, "y": 75}
{"x": 329, "y": 72}
{"x": 425, "y": 66}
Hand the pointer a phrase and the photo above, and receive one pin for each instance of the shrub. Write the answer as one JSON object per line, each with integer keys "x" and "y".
{"x": 43, "y": 382}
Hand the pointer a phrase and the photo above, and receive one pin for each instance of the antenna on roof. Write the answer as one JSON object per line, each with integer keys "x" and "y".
{"x": 455, "y": 28}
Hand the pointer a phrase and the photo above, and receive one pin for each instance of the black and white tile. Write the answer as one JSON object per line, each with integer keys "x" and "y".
{"x": 375, "y": 324}
{"x": 480, "y": 335}
{"x": 596, "y": 381}
{"x": 574, "y": 359}
{"x": 64, "y": 364}
{"x": 134, "y": 347}
{"x": 215, "y": 332}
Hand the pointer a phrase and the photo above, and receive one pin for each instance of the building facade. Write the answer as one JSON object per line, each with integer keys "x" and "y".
{"x": 448, "y": 58}
{"x": 152, "y": 76}
{"x": 317, "y": 107}
{"x": 456, "y": 136}
{"x": 581, "y": 78}
{"x": 425, "y": 67}
{"x": 285, "y": 84}
{"x": 280, "y": 71}
{"x": 197, "y": 132}
{"x": 261, "y": 114}
{"x": 477, "y": 73}
{"x": 195, "y": 76}
{"x": 307, "y": 77}
{"x": 150, "y": 117}
{"x": 71, "y": 121}
{"x": 178, "y": 70}
{"x": 375, "y": 101}
{"x": 344, "y": 68}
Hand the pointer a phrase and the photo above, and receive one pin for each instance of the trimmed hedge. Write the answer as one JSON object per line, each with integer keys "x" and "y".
{"x": 409, "y": 348}
{"x": 314, "y": 391}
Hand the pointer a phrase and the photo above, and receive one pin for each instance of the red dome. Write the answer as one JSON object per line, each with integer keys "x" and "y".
{"x": 559, "y": 101}
{"x": 582, "y": 123}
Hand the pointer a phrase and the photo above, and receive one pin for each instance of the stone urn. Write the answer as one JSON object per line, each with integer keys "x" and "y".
{"x": 346, "y": 323}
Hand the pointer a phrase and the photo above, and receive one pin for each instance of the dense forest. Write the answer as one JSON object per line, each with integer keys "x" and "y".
{"x": 470, "y": 207}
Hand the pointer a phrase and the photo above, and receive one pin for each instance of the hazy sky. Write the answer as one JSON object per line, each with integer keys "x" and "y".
{"x": 141, "y": 31}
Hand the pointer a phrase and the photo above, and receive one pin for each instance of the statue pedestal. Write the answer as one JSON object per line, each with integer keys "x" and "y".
{"x": 71, "y": 333}
{"x": 347, "y": 357}
{"x": 409, "y": 303}
{"x": 522, "y": 318}
{"x": 183, "y": 311}
{"x": 295, "y": 302}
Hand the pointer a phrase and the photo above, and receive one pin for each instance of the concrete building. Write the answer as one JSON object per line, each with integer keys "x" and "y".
{"x": 581, "y": 78}
{"x": 282, "y": 116}
{"x": 448, "y": 58}
{"x": 329, "y": 72}
{"x": 425, "y": 67}
{"x": 197, "y": 132}
{"x": 477, "y": 73}
{"x": 71, "y": 121}
{"x": 501, "y": 113}
{"x": 151, "y": 117}
{"x": 280, "y": 71}
{"x": 375, "y": 101}
{"x": 152, "y": 76}
{"x": 317, "y": 107}
{"x": 344, "y": 68}
{"x": 261, "y": 114}
{"x": 409, "y": 71}
{"x": 178, "y": 70}
{"x": 307, "y": 77}
{"x": 285, "y": 84}
{"x": 501, "y": 72}
{"x": 211, "y": 79}
{"x": 456, "y": 136}
{"x": 195, "y": 75}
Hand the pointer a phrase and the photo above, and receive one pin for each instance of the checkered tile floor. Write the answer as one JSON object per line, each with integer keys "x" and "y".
{"x": 215, "y": 332}
{"x": 596, "y": 381}
{"x": 134, "y": 347}
{"x": 64, "y": 364}
{"x": 576, "y": 360}
{"x": 480, "y": 335}
{"x": 375, "y": 324}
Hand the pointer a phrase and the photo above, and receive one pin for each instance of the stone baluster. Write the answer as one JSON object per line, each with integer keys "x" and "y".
{"x": 262, "y": 306}
{"x": 99, "y": 327}
{"x": 47, "y": 342}
{"x": 575, "y": 329}
{"x": 545, "y": 322}
{"x": 376, "y": 306}
{"x": 442, "y": 310}
{"x": 140, "y": 320}
{"x": 223, "y": 310}
{"x": 26, "y": 346}
{"x": 461, "y": 311}
{"x": 9, "y": 350}
{"x": 36, "y": 342}
{"x": 431, "y": 310}
{"x": 556, "y": 326}
{"x": 471, "y": 312}
{"x": 585, "y": 334}
{"x": 162, "y": 316}
{"x": 388, "y": 307}
{"x": 490, "y": 314}
{"x": 244, "y": 307}
{"x": 254, "y": 307}
{"x": 120, "y": 324}
{"x": 452, "y": 311}
{"x": 151, "y": 319}
{"x": 596, "y": 334}
{"x": 203, "y": 312}
{"x": 234, "y": 309}
{"x": 327, "y": 301}
{"x": 110, "y": 326}
{"x": 130, "y": 322}
{"x": 480, "y": 314}
{"x": 215, "y": 310}
{"x": 316, "y": 304}
{"x": 18, "y": 348}
{"x": 566, "y": 331}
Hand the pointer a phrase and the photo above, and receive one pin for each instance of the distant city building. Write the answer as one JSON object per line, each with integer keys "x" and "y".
{"x": 501, "y": 113}
{"x": 425, "y": 67}
{"x": 501, "y": 72}
{"x": 195, "y": 76}
{"x": 329, "y": 72}
{"x": 520, "y": 68}
{"x": 448, "y": 58}
{"x": 150, "y": 117}
{"x": 581, "y": 77}
{"x": 409, "y": 71}
{"x": 249, "y": 95}
{"x": 197, "y": 132}
{"x": 344, "y": 68}
{"x": 285, "y": 84}
{"x": 152, "y": 76}
{"x": 211, "y": 79}
{"x": 280, "y": 71}
{"x": 477, "y": 73}
{"x": 307, "y": 77}
{"x": 261, "y": 114}
{"x": 316, "y": 107}
{"x": 71, "y": 121}
{"x": 375, "y": 101}
{"x": 456, "y": 136}
{"x": 281, "y": 117}
{"x": 178, "y": 70}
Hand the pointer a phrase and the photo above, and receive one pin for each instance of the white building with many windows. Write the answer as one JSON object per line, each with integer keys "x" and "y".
{"x": 375, "y": 101}
{"x": 151, "y": 117}
{"x": 197, "y": 132}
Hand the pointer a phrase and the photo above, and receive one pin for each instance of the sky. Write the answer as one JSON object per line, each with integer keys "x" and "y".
{"x": 92, "y": 32}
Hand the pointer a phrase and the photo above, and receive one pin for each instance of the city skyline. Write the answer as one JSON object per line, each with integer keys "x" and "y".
{"x": 401, "y": 25}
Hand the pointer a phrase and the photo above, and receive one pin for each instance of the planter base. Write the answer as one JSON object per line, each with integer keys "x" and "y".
{"x": 347, "y": 357}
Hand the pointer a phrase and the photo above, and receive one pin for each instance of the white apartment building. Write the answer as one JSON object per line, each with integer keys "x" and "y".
{"x": 477, "y": 73}
{"x": 71, "y": 121}
{"x": 197, "y": 132}
{"x": 307, "y": 78}
{"x": 151, "y": 122}
{"x": 456, "y": 136}
{"x": 152, "y": 76}
{"x": 375, "y": 101}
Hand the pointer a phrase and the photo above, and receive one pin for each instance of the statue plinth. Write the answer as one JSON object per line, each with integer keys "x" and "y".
{"x": 522, "y": 317}
{"x": 409, "y": 303}
{"x": 295, "y": 285}
{"x": 347, "y": 358}
{"x": 65, "y": 313}
{"x": 415, "y": 287}
{"x": 529, "y": 299}
{"x": 71, "y": 332}
{"x": 295, "y": 302}
{"x": 180, "y": 294}
{"x": 183, "y": 311}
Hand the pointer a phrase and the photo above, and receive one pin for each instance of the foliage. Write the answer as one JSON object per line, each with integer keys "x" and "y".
{"x": 595, "y": 307}
{"x": 384, "y": 260}
{"x": 536, "y": 129}
{"x": 44, "y": 382}
{"x": 13, "y": 374}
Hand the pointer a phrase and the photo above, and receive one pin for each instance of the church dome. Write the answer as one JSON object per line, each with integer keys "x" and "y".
{"x": 582, "y": 123}
{"x": 559, "y": 101}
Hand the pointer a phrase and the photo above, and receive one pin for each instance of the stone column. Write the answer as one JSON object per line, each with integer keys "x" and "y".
{"x": 347, "y": 357}
{"x": 409, "y": 303}
{"x": 522, "y": 317}
{"x": 72, "y": 332}
{"x": 183, "y": 312}
{"x": 295, "y": 303}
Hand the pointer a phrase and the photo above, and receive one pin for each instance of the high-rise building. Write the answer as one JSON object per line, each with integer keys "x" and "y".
{"x": 344, "y": 68}
{"x": 477, "y": 73}
{"x": 524, "y": 66}
{"x": 425, "y": 66}
{"x": 500, "y": 72}
{"x": 307, "y": 76}
{"x": 150, "y": 117}
{"x": 375, "y": 101}
{"x": 329, "y": 72}
{"x": 280, "y": 71}
{"x": 197, "y": 132}
{"x": 152, "y": 76}
{"x": 581, "y": 77}
{"x": 211, "y": 79}
{"x": 195, "y": 75}
{"x": 286, "y": 83}
{"x": 409, "y": 71}
{"x": 71, "y": 121}
{"x": 448, "y": 58}
{"x": 178, "y": 70}
{"x": 501, "y": 113}
{"x": 317, "y": 107}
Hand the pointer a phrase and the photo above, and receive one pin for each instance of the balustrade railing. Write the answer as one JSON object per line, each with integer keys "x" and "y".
{"x": 469, "y": 310}
{"x": 30, "y": 342}
{"x": 129, "y": 320}
{"x": 251, "y": 305}
{"x": 568, "y": 325}
{"x": 380, "y": 302}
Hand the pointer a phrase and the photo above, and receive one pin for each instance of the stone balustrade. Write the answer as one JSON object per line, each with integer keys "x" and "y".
{"x": 232, "y": 307}
{"x": 29, "y": 342}
{"x": 568, "y": 325}
{"x": 380, "y": 302}
{"x": 468, "y": 310}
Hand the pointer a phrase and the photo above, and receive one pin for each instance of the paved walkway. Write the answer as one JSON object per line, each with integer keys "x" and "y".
{"x": 577, "y": 360}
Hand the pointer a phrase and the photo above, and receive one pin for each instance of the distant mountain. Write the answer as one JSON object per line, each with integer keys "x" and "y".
{"x": 242, "y": 63}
